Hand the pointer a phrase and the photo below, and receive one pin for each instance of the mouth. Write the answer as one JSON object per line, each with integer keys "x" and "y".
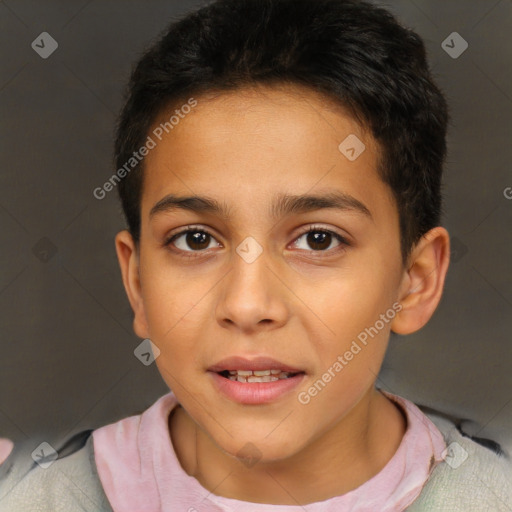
{"x": 259, "y": 369}
{"x": 256, "y": 381}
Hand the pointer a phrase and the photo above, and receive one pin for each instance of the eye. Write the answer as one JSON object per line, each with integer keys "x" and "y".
{"x": 320, "y": 239}
{"x": 197, "y": 239}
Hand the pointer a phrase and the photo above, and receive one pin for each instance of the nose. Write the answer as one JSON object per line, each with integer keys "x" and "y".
{"x": 253, "y": 297}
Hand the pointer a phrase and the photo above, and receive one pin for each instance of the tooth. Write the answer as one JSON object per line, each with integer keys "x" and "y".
{"x": 264, "y": 378}
{"x": 258, "y": 375}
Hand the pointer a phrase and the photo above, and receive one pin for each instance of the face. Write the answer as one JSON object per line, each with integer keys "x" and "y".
{"x": 248, "y": 288}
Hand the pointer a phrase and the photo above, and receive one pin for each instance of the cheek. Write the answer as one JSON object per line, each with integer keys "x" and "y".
{"x": 349, "y": 304}
{"x": 351, "y": 347}
{"x": 170, "y": 293}
{"x": 175, "y": 308}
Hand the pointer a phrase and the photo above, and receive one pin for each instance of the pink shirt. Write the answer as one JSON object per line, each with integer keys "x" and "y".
{"x": 6, "y": 446}
{"x": 139, "y": 470}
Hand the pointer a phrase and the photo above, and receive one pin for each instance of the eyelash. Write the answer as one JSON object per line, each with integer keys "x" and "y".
{"x": 196, "y": 229}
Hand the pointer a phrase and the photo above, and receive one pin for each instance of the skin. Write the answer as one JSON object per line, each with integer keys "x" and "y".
{"x": 296, "y": 303}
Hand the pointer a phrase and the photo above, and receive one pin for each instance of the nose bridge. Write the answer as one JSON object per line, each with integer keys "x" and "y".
{"x": 250, "y": 266}
{"x": 250, "y": 293}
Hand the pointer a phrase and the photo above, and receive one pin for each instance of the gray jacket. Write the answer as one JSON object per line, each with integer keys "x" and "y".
{"x": 480, "y": 481}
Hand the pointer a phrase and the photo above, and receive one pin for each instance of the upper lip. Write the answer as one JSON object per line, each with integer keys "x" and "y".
{"x": 258, "y": 363}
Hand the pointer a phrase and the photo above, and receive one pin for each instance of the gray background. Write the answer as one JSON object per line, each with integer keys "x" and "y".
{"x": 67, "y": 359}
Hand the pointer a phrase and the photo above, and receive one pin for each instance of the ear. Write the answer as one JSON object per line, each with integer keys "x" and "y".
{"x": 422, "y": 284}
{"x": 127, "y": 254}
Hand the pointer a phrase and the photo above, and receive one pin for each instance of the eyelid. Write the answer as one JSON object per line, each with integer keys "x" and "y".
{"x": 183, "y": 231}
{"x": 316, "y": 227}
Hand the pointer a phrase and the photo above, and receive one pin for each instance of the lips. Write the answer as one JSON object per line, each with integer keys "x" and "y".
{"x": 257, "y": 381}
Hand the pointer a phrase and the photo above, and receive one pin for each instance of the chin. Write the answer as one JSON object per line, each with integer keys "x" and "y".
{"x": 250, "y": 451}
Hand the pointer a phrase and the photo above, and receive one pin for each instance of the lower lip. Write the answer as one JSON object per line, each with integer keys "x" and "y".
{"x": 255, "y": 393}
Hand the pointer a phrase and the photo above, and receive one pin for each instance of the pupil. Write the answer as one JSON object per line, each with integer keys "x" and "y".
{"x": 196, "y": 240}
{"x": 318, "y": 238}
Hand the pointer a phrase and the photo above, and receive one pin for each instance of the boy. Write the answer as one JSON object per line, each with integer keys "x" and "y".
{"x": 279, "y": 165}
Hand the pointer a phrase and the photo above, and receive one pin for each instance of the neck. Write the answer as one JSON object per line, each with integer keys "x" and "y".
{"x": 363, "y": 442}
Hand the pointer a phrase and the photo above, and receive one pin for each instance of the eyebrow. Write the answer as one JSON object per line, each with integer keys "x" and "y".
{"x": 283, "y": 204}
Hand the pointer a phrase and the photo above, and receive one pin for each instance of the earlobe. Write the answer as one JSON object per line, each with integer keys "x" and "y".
{"x": 422, "y": 284}
{"x": 127, "y": 255}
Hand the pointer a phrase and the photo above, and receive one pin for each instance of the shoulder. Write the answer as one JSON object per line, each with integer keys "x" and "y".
{"x": 475, "y": 475}
{"x": 63, "y": 480}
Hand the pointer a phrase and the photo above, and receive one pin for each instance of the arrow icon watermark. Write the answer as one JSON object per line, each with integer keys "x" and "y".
{"x": 146, "y": 352}
{"x": 351, "y": 147}
{"x": 249, "y": 249}
{"x": 44, "y": 45}
{"x": 454, "y": 45}
{"x": 45, "y": 455}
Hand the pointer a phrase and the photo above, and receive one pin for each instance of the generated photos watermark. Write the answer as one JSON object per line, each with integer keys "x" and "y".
{"x": 137, "y": 156}
{"x": 304, "y": 397}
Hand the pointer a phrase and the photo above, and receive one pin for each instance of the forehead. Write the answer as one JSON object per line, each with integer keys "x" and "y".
{"x": 245, "y": 146}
